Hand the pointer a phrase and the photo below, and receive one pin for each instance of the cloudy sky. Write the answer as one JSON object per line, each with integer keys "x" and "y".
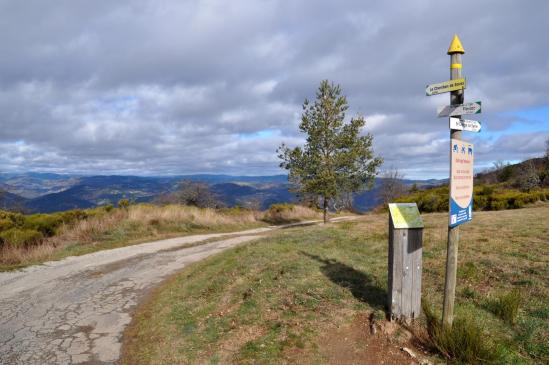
{"x": 180, "y": 87}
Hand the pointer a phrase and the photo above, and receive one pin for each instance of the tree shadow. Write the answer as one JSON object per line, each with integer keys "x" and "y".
{"x": 361, "y": 285}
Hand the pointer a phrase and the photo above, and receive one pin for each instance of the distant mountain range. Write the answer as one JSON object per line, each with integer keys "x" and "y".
{"x": 43, "y": 193}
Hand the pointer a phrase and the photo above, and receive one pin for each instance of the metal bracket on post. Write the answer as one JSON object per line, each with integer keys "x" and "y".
{"x": 405, "y": 261}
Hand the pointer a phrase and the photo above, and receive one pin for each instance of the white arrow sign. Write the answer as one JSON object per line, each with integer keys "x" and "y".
{"x": 465, "y": 125}
{"x": 461, "y": 109}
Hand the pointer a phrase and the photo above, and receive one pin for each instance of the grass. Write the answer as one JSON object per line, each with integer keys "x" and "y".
{"x": 464, "y": 342}
{"x": 273, "y": 301}
{"x": 506, "y": 306}
{"x": 132, "y": 225}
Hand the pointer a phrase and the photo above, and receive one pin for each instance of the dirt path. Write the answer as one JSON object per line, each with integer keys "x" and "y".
{"x": 75, "y": 310}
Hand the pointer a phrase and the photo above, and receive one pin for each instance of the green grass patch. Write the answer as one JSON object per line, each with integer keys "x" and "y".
{"x": 272, "y": 301}
{"x": 464, "y": 342}
{"x": 506, "y": 306}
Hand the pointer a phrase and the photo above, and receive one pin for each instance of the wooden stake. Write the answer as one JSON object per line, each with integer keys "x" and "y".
{"x": 456, "y": 97}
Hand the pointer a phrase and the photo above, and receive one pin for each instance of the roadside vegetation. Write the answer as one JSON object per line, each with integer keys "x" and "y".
{"x": 35, "y": 238}
{"x": 485, "y": 197}
{"x": 316, "y": 295}
{"x": 504, "y": 186}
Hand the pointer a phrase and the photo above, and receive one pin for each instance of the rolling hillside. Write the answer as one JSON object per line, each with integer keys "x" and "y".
{"x": 45, "y": 193}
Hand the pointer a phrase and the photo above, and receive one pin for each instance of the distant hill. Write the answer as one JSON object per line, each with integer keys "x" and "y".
{"x": 32, "y": 185}
{"x": 12, "y": 201}
{"x": 509, "y": 174}
{"x": 44, "y": 193}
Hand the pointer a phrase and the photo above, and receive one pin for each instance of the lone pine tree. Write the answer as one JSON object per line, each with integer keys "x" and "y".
{"x": 336, "y": 159}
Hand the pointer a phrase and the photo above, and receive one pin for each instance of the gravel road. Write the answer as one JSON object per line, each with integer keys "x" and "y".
{"x": 75, "y": 310}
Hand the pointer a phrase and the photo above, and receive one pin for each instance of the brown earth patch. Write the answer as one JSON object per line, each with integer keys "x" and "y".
{"x": 355, "y": 343}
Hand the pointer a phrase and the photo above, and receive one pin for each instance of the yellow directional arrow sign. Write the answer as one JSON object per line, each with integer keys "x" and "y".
{"x": 444, "y": 87}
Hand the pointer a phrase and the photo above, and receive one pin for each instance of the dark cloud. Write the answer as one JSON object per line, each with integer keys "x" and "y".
{"x": 148, "y": 87}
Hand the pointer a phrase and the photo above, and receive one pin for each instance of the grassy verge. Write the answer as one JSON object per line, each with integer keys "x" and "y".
{"x": 100, "y": 229}
{"x": 275, "y": 300}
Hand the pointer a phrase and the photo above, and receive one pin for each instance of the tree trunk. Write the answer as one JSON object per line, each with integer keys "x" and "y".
{"x": 325, "y": 210}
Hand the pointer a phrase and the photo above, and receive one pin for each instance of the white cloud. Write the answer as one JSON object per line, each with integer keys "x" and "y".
{"x": 167, "y": 87}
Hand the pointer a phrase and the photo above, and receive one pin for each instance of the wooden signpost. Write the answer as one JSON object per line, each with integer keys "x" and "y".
{"x": 461, "y": 173}
{"x": 405, "y": 263}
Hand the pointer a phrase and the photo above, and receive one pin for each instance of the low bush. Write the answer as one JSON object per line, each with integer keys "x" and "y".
{"x": 123, "y": 203}
{"x": 288, "y": 213}
{"x": 485, "y": 197}
{"x": 506, "y": 306}
{"x": 17, "y": 237}
{"x": 464, "y": 342}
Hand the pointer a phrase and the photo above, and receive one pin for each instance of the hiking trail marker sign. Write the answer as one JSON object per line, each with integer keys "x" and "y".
{"x": 405, "y": 261}
{"x": 461, "y": 168}
{"x": 461, "y": 182}
{"x": 405, "y": 215}
{"x": 465, "y": 125}
{"x": 460, "y": 109}
{"x": 444, "y": 87}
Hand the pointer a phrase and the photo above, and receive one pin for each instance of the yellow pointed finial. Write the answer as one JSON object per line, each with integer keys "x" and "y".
{"x": 455, "y": 46}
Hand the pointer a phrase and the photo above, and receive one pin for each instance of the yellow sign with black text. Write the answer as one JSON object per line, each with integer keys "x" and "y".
{"x": 444, "y": 87}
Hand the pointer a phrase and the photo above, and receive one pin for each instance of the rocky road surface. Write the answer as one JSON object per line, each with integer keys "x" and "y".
{"x": 74, "y": 311}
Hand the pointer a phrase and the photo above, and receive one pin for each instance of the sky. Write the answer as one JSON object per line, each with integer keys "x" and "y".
{"x": 182, "y": 87}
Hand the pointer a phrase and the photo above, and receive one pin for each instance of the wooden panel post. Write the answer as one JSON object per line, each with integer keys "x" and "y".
{"x": 456, "y": 98}
{"x": 404, "y": 263}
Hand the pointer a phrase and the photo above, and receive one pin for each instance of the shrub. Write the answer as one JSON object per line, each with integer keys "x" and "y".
{"x": 123, "y": 203}
{"x": 288, "y": 213}
{"x": 44, "y": 223}
{"x": 463, "y": 342}
{"x": 278, "y": 213}
{"x": 5, "y": 223}
{"x": 485, "y": 197}
{"x": 487, "y": 190}
{"x": 16, "y": 219}
{"x": 506, "y": 306}
{"x": 21, "y": 237}
{"x": 235, "y": 211}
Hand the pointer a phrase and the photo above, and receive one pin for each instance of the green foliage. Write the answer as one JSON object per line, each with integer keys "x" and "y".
{"x": 278, "y": 213}
{"x": 336, "y": 158}
{"x": 25, "y": 230}
{"x": 464, "y": 342}
{"x": 431, "y": 200}
{"x": 485, "y": 197}
{"x": 506, "y": 306}
{"x": 123, "y": 203}
{"x": 20, "y": 237}
{"x": 235, "y": 211}
{"x": 506, "y": 173}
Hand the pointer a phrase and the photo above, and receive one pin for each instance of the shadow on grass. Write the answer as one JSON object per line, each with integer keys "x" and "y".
{"x": 361, "y": 285}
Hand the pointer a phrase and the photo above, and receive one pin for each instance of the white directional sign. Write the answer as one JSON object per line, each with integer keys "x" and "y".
{"x": 460, "y": 109}
{"x": 444, "y": 87}
{"x": 465, "y": 125}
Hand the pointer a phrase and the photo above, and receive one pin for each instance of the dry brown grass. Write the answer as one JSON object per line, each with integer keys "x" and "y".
{"x": 139, "y": 223}
{"x": 289, "y": 213}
